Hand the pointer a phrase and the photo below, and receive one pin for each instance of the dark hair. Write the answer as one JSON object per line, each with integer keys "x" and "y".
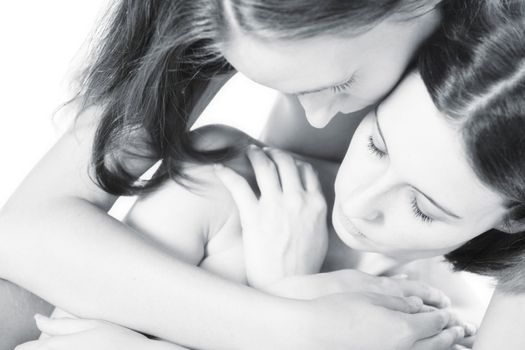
{"x": 156, "y": 57}
{"x": 474, "y": 69}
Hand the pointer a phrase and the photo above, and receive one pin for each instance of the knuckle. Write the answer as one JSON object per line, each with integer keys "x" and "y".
{"x": 319, "y": 199}
{"x": 445, "y": 340}
{"x": 269, "y": 164}
{"x": 426, "y": 291}
{"x": 307, "y": 166}
{"x": 385, "y": 282}
{"x": 407, "y": 332}
{"x": 294, "y": 200}
{"x": 441, "y": 319}
{"x": 348, "y": 274}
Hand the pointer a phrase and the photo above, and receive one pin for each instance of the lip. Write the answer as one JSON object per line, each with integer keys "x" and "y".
{"x": 347, "y": 224}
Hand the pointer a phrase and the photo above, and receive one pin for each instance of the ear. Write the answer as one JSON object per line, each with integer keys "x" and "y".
{"x": 511, "y": 226}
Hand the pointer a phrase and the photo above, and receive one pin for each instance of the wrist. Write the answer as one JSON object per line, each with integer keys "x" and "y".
{"x": 274, "y": 324}
{"x": 150, "y": 344}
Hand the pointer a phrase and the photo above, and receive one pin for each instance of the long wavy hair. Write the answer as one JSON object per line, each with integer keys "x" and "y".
{"x": 474, "y": 69}
{"x": 155, "y": 58}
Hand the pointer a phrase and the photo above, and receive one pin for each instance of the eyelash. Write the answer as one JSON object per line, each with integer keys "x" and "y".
{"x": 334, "y": 89}
{"x": 419, "y": 214}
{"x": 343, "y": 86}
{"x": 374, "y": 150}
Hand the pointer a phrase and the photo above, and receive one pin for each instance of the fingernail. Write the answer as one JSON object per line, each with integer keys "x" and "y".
{"x": 447, "y": 302}
{"x": 460, "y": 332}
{"x": 470, "y": 329}
{"x": 401, "y": 276}
{"x": 40, "y": 319}
{"x": 445, "y": 316}
{"x": 427, "y": 308}
{"x": 416, "y": 302}
{"x": 218, "y": 166}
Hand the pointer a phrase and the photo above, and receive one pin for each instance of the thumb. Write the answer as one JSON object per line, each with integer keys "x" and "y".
{"x": 238, "y": 187}
{"x": 64, "y": 326}
{"x": 408, "y": 305}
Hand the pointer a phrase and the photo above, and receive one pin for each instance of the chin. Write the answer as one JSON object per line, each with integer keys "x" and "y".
{"x": 319, "y": 123}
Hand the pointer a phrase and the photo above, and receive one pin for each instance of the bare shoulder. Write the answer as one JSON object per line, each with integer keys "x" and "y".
{"x": 181, "y": 215}
{"x": 184, "y": 214}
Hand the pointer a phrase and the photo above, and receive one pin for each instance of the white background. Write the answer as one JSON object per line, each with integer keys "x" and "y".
{"x": 41, "y": 46}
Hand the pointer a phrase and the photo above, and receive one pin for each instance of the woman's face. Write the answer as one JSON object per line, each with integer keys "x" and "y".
{"x": 406, "y": 188}
{"x": 330, "y": 74}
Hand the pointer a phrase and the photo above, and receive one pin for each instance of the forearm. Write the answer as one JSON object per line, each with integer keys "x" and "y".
{"x": 161, "y": 345}
{"x": 109, "y": 272}
{"x": 17, "y": 308}
{"x": 502, "y": 327}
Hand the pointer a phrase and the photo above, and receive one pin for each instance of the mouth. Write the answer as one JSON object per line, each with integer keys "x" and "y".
{"x": 346, "y": 224}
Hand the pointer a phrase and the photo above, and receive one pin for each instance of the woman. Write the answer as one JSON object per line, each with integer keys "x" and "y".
{"x": 437, "y": 169}
{"x": 156, "y": 68}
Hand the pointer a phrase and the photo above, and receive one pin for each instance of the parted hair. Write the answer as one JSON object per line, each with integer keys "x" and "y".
{"x": 474, "y": 69}
{"x": 155, "y": 58}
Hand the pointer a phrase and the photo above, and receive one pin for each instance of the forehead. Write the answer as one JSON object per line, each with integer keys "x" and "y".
{"x": 427, "y": 150}
{"x": 295, "y": 65}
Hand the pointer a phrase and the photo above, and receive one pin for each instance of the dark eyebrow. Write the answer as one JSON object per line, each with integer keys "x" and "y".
{"x": 430, "y": 199}
{"x": 443, "y": 209}
{"x": 379, "y": 127}
{"x": 305, "y": 92}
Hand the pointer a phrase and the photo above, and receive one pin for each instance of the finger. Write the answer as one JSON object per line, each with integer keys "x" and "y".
{"x": 470, "y": 329}
{"x": 310, "y": 177}
{"x": 265, "y": 171}
{"x": 427, "y": 308}
{"x": 455, "y": 321}
{"x": 32, "y": 345}
{"x": 288, "y": 170}
{"x": 427, "y": 324}
{"x": 238, "y": 187}
{"x": 467, "y": 342}
{"x": 45, "y": 344}
{"x": 442, "y": 341}
{"x": 402, "y": 304}
{"x": 430, "y": 295}
{"x": 459, "y": 347}
{"x": 63, "y": 326}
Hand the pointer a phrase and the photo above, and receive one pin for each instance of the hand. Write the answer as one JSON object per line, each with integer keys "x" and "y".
{"x": 79, "y": 334}
{"x": 368, "y": 321}
{"x": 348, "y": 281}
{"x": 285, "y": 231}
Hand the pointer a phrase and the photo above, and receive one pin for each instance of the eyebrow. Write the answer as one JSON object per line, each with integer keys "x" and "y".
{"x": 379, "y": 127}
{"x": 443, "y": 209}
{"x": 305, "y": 92}
{"x": 430, "y": 199}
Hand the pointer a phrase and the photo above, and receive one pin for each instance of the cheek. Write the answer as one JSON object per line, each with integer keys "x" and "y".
{"x": 349, "y": 102}
{"x": 377, "y": 83}
{"x": 358, "y": 165}
{"x": 403, "y": 232}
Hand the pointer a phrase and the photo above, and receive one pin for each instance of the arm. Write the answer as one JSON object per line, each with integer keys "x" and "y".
{"x": 99, "y": 275}
{"x": 17, "y": 308}
{"x": 502, "y": 326}
{"x": 58, "y": 206}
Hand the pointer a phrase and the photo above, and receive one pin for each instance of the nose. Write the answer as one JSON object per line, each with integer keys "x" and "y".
{"x": 318, "y": 110}
{"x": 366, "y": 203}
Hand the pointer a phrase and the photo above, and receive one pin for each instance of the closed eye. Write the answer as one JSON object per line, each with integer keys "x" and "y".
{"x": 418, "y": 213}
{"x": 374, "y": 149}
{"x": 336, "y": 88}
{"x": 343, "y": 86}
